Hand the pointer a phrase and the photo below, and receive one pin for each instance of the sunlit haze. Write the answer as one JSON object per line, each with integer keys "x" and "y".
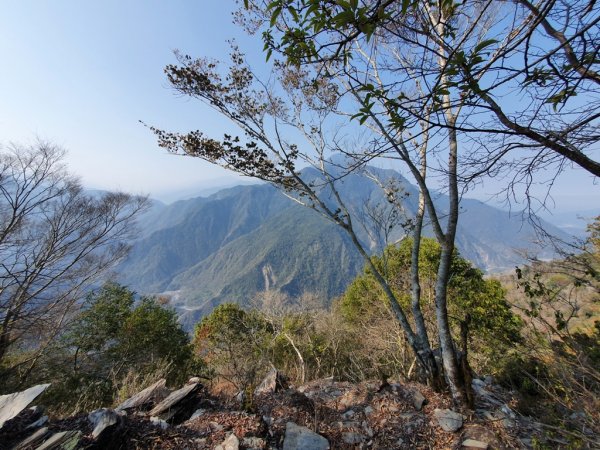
{"x": 83, "y": 74}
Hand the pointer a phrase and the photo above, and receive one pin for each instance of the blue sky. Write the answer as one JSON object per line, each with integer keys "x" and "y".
{"x": 83, "y": 73}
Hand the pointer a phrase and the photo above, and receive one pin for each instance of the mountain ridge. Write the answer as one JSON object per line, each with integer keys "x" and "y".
{"x": 246, "y": 239}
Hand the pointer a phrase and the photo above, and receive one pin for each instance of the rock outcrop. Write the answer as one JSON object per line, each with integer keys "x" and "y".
{"x": 12, "y": 404}
{"x": 319, "y": 415}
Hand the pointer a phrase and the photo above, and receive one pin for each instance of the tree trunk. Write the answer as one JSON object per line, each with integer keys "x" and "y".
{"x": 300, "y": 358}
{"x": 422, "y": 350}
{"x": 449, "y": 356}
{"x": 428, "y": 362}
{"x": 454, "y": 376}
{"x": 464, "y": 360}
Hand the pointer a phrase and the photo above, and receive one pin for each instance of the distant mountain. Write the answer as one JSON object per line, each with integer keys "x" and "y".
{"x": 572, "y": 222}
{"x": 243, "y": 240}
{"x": 204, "y": 189}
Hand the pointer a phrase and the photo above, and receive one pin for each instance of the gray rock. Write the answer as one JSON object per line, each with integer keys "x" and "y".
{"x": 67, "y": 440}
{"x": 12, "y": 404}
{"x": 418, "y": 400}
{"x": 253, "y": 443}
{"x": 154, "y": 393}
{"x": 197, "y": 413}
{"x": 509, "y": 412}
{"x": 38, "y": 423}
{"x": 479, "y": 383}
{"x": 348, "y": 414}
{"x": 473, "y": 444}
{"x": 230, "y": 443}
{"x": 351, "y": 438}
{"x": 449, "y": 420}
{"x": 301, "y": 438}
{"x": 488, "y": 415}
{"x": 216, "y": 426}
{"x": 168, "y": 407}
{"x": 34, "y": 440}
{"x": 159, "y": 423}
{"x": 508, "y": 423}
{"x": 240, "y": 398}
{"x": 272, "y": 383}
{"x": 368, "y": 411}
{"x": 103, "y": 419}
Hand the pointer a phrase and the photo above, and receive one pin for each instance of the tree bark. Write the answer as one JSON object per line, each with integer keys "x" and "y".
{"x": 428, "y": 359}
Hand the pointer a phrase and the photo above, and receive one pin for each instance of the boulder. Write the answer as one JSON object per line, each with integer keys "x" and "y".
{"x": 159, "y": 423}
{"x": 254, "y": 443}
{"x": 472, "y": 444}
{"x": 418, "y": 400}
{"x": 352, "y": 438}
{"x": 449, "y": 420}
{"x": 12, "y": 404}
{"x": 273, "y": 382}
{"x": 473, "y": 433}
{"x": 301, "y": 438}
{"x": 103, "y": 420}
{"x": 67, "y": 440}
{"x": 32, "y": 441}
{"x": 154, "y": 393}
{"x": 199, "y": 412}
{"x": 230, "y": 443}
{"x": 173, "y": 403}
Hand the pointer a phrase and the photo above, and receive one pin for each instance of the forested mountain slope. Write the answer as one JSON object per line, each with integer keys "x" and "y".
{"x": 243, "y": 240}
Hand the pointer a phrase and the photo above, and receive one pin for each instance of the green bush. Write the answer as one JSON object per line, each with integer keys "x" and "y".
{"x": 113, "y": 341}
{"x": 235, "y": 343}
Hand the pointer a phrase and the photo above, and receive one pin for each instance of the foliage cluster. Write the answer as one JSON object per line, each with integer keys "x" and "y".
{"x": 557, "y": 365}
{"x": 476, "y": 305}
{"x": 56, "y": 240}
{"x": 113, "y": 347}
{"x": 422, "y": 78}
{"x": 358, "y": 337}
{"x": 549, "y": 359}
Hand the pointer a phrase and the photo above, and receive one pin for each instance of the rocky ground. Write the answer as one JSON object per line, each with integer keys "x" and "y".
{"x": 319, "y": 415}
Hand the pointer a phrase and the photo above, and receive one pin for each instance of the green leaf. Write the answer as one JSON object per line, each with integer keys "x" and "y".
{"x": 274, "y": 16}
{"x": 484, "y": 44}
{"x": 294, "y": 13}
{"x": 272, "y": 5}
{"x": 343, "y": 18}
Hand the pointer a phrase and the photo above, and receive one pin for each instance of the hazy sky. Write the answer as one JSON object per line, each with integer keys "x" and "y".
{"x": 83, "y": 73}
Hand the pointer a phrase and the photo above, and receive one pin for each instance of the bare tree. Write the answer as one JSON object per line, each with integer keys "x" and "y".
{"x": 56, "y": 240}
{"x": 430, "y": 80}
{"x": 268, "y": 116}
